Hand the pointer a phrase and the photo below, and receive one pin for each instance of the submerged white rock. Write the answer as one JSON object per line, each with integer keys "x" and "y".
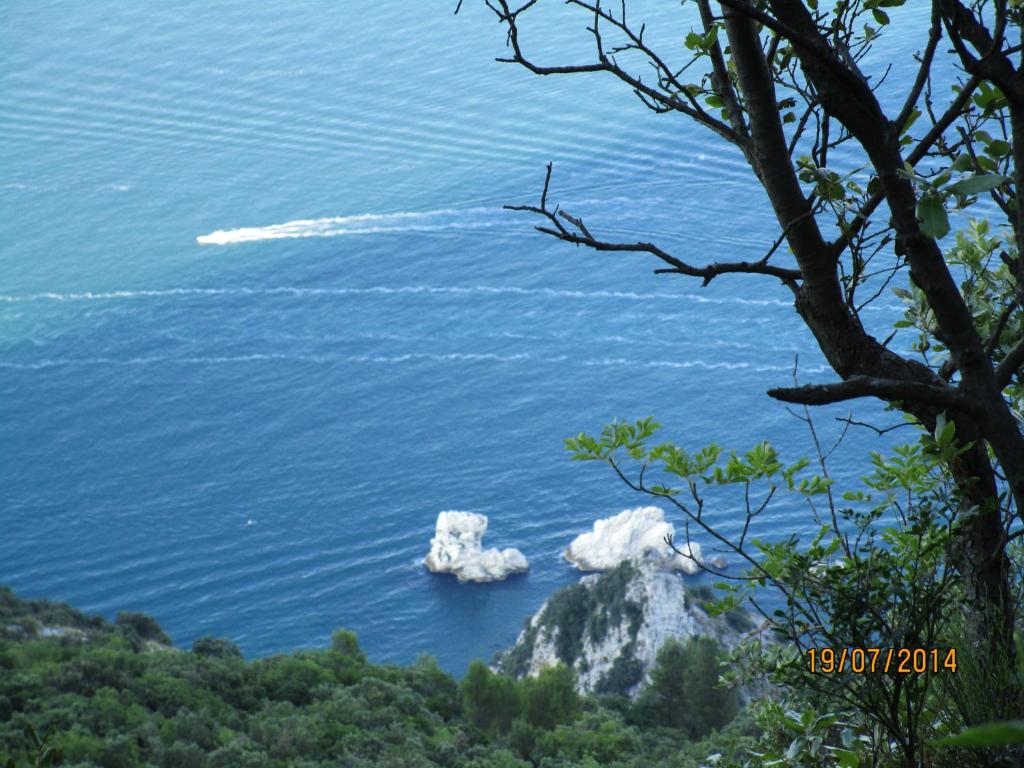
{"x": 457, "y": 548}
{"x": 637, "y": 535}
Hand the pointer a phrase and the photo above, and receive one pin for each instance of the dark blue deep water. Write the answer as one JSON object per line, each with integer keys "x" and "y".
{"x": 252, "y": 439}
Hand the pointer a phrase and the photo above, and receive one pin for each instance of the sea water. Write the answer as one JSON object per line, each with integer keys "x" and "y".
{"x": 262, "y": 315}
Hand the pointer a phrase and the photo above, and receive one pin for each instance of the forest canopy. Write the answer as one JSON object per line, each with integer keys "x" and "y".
{"x": 98, "y": 693}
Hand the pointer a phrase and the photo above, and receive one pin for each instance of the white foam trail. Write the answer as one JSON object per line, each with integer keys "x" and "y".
{"x": 398, "y": 359}
{"x": 386, "y": 290}
{"x": 360, "y": 224}
{"x": 619, "y": 361}
{"x": 411, "y": 289}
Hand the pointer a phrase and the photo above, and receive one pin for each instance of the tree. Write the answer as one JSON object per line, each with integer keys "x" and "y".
{"x": 345, "y": 642}
{"x": 684, "y": 692}
{"x": 142, "y": 626}
{"x": 217, "y": 647}
{"x": 812, "y": 56}
{"x": 786, "y": 83}
{"x": 550, "y": 698}
{"x": 489, "y": 701}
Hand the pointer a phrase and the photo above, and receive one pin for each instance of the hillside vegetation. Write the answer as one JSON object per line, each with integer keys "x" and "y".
{"x": 119, "y": 695}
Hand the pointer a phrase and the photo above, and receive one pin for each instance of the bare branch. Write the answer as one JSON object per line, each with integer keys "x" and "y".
{"x": 877, "y": 430}
{"x": 720, "y": 75}
{"x": 920, "y": 150}
{"x": 579, "y": 234}
{"x": 923, "y": 72}
{"x": 681, "y": 101}
{"x": 1010, "y": 365}
{"x": 870, "y": 386}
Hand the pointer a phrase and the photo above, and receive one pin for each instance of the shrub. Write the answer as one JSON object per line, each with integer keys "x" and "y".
{"x": 144, "y": 626}
{"x": 439, "y": 691}
{"x": 345, "y": 642}
{"x": 579, "y": 610}
{"x": 625, "y": 673}
{"x": 216, "y": 647}
{"x": 489, "y": 701}
{"x": 684, "y": 692}
{"x": 550, "y": 699}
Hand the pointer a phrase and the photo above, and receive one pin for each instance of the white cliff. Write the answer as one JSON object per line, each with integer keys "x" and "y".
{"x": 610, "y": 626}
{"x": 637, "y": 535}
{"x": 457, "y": 548}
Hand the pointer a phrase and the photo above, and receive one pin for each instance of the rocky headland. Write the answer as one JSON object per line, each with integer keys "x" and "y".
{"x": 609, "y": 627}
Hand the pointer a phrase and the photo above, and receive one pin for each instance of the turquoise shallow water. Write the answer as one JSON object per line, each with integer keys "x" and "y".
{"x": 252, "y": 437}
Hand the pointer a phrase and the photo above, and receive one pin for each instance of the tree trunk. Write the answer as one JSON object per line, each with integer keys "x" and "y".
{"x": 979, "y": 541}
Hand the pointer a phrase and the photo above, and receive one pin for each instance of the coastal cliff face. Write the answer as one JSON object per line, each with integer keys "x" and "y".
{"x": 609, "y": 627}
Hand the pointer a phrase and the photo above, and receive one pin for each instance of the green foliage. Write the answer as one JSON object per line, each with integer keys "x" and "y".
{"x": 582, "y": 613}
{"x": 567, "y": 614}
{"x": 579, "y": 611}
{"x": 806, "y": 739}
{"x": 625, "y": 674}
{"x": 988, "y": 735}
{"x": 41, "y": 751}
{"x": 143, "y": 626}
{"x": 988, "y": 281}
{"x": 550, "y": 698}
{"x": 217, "y": 647}
{"x": 106, "y": 701}
{"x": 291, "y": 678}
{"x": 344, "y": 641}
{"x": 875, "y": 574}
{"x": 684, "y": 691}
{"x": 516, "y": 661}
{"x": 490, "y": 701}
{"x": 439, "y": 691}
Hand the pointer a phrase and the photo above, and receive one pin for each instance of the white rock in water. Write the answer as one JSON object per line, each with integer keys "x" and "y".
{"x": 456, "y": 548}
{"x": 637, "y": 535}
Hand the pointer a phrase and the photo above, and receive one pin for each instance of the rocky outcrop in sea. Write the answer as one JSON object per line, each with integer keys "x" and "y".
{"x": 609, "y": 627}
{"x": 457, "y": 548}
{"x": 637, "y": 535}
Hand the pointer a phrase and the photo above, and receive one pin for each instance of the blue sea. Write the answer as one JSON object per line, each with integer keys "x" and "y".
{"x": 262, "y": 315}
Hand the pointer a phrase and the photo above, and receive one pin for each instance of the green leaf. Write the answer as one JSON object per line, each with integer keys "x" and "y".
{"x": 32, "y": 736}
{"x": 846, "y": 758}
{"x": 910, "y": 120}
{"x": 880, "y": 16}
{"x": 963, "y": 162}
{"x": 903, "y": 293}
{"x": 987, "y": 735}
{"x": 986, "y": 163}
{"x": 932, "y": 215}
{"x": 998, "y": 148}
{"x": 973, "y": 185}
{"x": 945, "y": 431}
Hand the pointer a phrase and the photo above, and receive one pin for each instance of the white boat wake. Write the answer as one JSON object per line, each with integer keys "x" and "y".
{"x": 361, "y": 224}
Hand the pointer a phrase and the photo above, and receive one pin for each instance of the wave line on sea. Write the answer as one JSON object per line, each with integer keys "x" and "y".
{"x": 397, "y": 359}
{"x": 388, "y": 290}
